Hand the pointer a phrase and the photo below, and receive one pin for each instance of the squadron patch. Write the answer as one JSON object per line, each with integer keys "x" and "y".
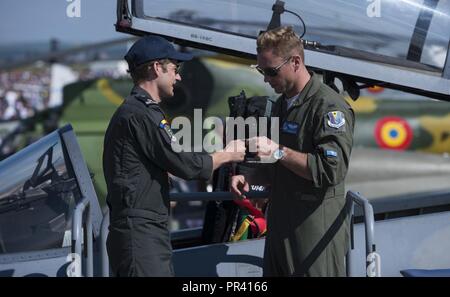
{"x": 336, "y": 119}
{"x": 166, "y": 127}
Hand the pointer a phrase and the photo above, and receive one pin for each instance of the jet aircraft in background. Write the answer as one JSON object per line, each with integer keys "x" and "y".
{"x": 408, "y": 190}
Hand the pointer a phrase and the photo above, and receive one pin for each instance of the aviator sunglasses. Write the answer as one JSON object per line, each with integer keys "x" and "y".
{"x": 271, "y": 71}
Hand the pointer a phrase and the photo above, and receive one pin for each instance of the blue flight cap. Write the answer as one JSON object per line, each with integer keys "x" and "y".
{"x": 150, "y": 48}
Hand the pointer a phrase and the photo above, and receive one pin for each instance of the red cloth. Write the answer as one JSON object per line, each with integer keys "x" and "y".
{"x": 258, "y": 224}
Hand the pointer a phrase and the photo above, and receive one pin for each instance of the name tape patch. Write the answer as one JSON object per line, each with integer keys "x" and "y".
{"x": 290, "y": 127}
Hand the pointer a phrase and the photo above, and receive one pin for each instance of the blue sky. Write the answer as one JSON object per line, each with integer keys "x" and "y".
{"x": 40, "y": 20}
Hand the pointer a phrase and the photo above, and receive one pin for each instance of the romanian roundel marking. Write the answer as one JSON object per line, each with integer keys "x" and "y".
{"x": 375, "y": 89}
{"x": 393, "y": 133}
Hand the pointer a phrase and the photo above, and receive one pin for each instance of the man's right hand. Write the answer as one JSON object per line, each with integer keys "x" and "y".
{"x": 239, "y": 186}
{"x": 233, "y": 152}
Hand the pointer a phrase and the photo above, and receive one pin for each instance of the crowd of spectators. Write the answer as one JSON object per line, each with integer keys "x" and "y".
{"x": 89, "y": 74}
{"x": 23, "y": 93}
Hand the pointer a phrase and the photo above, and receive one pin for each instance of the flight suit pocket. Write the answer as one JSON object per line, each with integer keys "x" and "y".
{"x": 334, "y": 193}
{"x": 126, "y": 189}
{"x": 307, "y": 199}
{"x": 331, "y": 193}
{"x": 316, "y": 197}
{"x": 304, "y": 206}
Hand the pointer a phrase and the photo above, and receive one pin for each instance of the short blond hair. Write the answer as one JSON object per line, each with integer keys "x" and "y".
{"x": 283, "y": 41}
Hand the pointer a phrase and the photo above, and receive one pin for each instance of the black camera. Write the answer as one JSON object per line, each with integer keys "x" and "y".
{"x": 221, "y": 216}
{"x": 253, "y": 107}
{"x": 256, "y": 106}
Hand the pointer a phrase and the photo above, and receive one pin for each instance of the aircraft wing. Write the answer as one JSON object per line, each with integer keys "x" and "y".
{"x": 388, "y": 173}
{"x": 401, "y": 45}
{"x": 58, "y": 55}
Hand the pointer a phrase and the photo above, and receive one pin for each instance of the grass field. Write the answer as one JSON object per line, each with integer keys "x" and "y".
{"x": 89, "y": 110}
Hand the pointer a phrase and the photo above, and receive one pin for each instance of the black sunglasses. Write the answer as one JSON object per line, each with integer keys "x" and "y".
{"x": 178, "y": 65}
{"x": 271, "y": 71}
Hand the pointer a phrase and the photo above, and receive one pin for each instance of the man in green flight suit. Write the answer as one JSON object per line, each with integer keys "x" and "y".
{"x": 308, "y": 229}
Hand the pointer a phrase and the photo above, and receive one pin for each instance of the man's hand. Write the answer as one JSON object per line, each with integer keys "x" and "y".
{"x": 264, "y": 148}
{"x": 239, "y": 186}
{"x": 236, "y": 150}
{"x": 233, "y": 152}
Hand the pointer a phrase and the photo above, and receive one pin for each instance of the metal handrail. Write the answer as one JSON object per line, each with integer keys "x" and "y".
{"x": 77, "y": 234}
{"x": 193, "y": 196}
{"x": 369, "y": 228}
{"x": 208, "y": 196}
{"x": 356, "y": 197}
{"x": 103, "y": 251}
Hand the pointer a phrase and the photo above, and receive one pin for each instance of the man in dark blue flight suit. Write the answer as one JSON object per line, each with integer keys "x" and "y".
{"x": 137, "y": 158}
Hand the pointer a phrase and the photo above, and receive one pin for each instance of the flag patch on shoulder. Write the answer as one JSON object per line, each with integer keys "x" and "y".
{"x": 166, "y": 127}
{"x": 330, "y": 153}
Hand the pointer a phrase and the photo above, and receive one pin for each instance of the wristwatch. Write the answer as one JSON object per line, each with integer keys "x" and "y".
{"x": 278, "y": 154}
